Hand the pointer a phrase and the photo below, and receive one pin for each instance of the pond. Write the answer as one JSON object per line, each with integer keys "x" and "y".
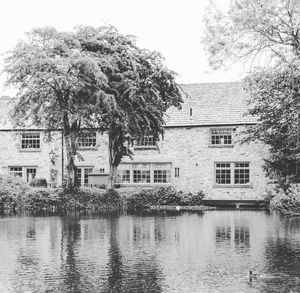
{"x": 150, "y": 252}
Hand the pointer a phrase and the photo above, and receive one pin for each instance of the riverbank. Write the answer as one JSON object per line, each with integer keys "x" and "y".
{"x": 287, "y": 201}
{"x": 15, "y": 196}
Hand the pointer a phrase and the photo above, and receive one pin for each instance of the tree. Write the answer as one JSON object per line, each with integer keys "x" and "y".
{"x": 249, "y": 31}
{"x": 275, "y": 100}
{"x": 59, "y": 85}
{"x": 142, "y": 89}
{"x": 253, "y": 29}
{"x": 90, "y": 78}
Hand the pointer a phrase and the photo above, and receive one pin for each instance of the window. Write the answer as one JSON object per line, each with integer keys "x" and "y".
{"x": 144, "y": 173}
{"x": 141, "y": 173}
{"x": 146, "y": 141}
{"x": 82, "y": 175}
{"x": 221, "y": 136}
{"x": 30, "y": 141}
{"x": 162, "y": 174}
{"x": 237, "y": 173}
{"x": 30, "y": 174}
{"x": 16, "y": 171}
{"x": 223, "y": 173}
{"x": 26, "y": 173}
{"x": 87, "y": 140}
{"x": 176, "y": 172}
{"x": 241, "y": 173}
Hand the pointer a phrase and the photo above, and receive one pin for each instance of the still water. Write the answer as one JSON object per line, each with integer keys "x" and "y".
{"x": 150, "y": 252}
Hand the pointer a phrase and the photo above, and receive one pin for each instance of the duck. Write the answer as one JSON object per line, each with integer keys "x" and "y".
{"x": 253, "y": 275}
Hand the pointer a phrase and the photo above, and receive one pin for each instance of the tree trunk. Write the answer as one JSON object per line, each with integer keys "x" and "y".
{"x": 112, "y": 168}
{"x": 71, "y": 168}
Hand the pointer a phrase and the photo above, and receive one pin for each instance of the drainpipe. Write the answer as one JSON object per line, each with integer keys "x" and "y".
{"x": 62, "y": 157}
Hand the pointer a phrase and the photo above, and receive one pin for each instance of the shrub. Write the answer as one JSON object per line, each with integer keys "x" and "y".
{"x": 38, "y": 182}
{"x": 285, "y": 201}
{"x": 162, "y": 196}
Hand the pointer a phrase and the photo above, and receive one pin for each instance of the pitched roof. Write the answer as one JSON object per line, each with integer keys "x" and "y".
{"x": 211, "y": 104}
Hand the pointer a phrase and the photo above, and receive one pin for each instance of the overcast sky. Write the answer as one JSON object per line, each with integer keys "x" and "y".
{"x": 172, "y": 27}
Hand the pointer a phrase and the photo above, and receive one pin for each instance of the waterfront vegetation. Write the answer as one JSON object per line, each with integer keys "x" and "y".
{"x": 286, "y": 201}
{"x": 16, "y": 195}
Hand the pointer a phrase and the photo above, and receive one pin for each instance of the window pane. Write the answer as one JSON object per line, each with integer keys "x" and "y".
{"x": 221, "y": 136}
{"x": 87, "y": 139}
{"x": 241, "y": 173}
{"x": 30, "y": 141}
{"x": 146, "y": 140}
{"x": 223, "y": 173}
{"x": 162, "y": 176}
{"x": 15, "y": 171}
{"x": 30, "y": 174}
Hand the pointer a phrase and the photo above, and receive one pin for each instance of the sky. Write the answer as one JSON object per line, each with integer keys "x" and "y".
{"x": 172, "y": 27}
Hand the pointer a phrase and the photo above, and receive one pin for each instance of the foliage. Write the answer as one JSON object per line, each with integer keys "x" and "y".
{"x": 253, "y": 30}
{"x": 38, "y": 182}
{"x": 275, "y": 101}
{"x": 286, "y": 201}
{"x": 162, "y": 196}
{"x": 90, "y": 78}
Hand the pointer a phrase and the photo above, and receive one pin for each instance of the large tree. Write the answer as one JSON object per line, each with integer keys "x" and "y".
{"x": 92, "y": 77}
{"x": 275, "y": 100}
{"x": 269, "y": 31}
{"x": 141, "y": 86}
{"x": 253, "y": 30}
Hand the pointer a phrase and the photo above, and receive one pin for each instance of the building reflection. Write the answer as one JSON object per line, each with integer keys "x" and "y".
{"x": 236, "y": 236}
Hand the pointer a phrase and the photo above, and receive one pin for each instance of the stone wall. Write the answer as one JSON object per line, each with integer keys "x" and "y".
{"x": 186, "y": 148}
{"x": 189, "y": 150}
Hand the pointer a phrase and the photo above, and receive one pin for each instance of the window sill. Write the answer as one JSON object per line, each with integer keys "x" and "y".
{"x": 88, "y": 148}
{"x": 145, "y": 147}
{"x": 144, "y": 184}
{"x": 29, "y": 150}
{"x": 233, "y": 186}
{"x": 221, "y": 146}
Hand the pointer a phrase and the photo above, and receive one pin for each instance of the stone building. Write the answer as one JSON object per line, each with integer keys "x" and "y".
{"x": 200, "y": 149}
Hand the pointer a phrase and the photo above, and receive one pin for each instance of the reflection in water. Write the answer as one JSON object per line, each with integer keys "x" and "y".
{"x": 167, "y": 252}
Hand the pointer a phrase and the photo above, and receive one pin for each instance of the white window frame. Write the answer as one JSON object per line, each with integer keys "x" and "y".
{"x": 26, "y": 145}
{"x": 82, "y": 173}
{"x": 146, "y": 142}
{"x": 87, "y": 140}
{"x": 24, "y": 170}
{"x": 233, "y": 167}
{"x": 220, "y": 137}
{"x": 152, "y": 167}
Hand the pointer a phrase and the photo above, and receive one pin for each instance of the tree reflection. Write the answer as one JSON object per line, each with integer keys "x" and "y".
{"x": 139, "y": 273}
{"x": 115, "y": 265}
{"x": 70, "y": 235}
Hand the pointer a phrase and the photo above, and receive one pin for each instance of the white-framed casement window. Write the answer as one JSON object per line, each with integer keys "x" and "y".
{"x": 26, "y": 173}
{"x": 232, "y": 173}
{"x": 147, "y": 141}
{"x": 82, "y": 175}
{"x": 221, "y": 137}
{"x": 30, "y": 141}
{"x": 87, "y": 139}
{"x": 144, "y": 173}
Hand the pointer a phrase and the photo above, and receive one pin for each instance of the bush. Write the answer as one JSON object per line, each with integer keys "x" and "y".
{"x": 162, "y": 196}
{"x": 286, "y": 201}
{"x": 38, "y": 182}
{"x": 12, "y": 190}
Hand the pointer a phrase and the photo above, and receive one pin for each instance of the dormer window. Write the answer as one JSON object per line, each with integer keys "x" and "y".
{"x": 191, "y": 111}
{"x": 30, "y": 141}
{"x": 221, "y": 137}
{"x": 87, "y": 140}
